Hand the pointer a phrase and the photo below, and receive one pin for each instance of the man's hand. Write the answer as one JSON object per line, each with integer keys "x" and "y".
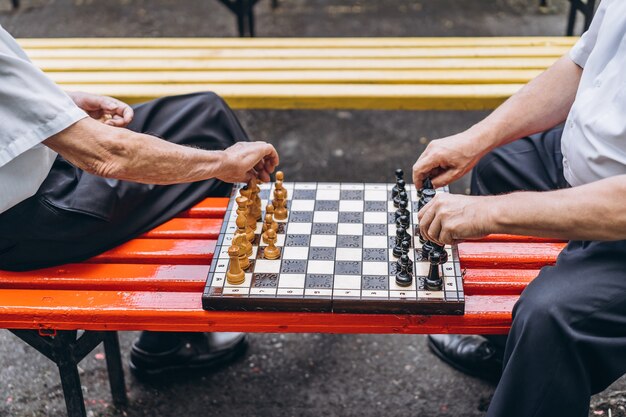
{"x": 450, "y": 218}
{"x": 108, "y": 110}
{"x": 246, "y": 160}
{"x": 448, "y": 159}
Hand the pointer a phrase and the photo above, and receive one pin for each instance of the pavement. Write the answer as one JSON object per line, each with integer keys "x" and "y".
{"x": 292, "y": 374}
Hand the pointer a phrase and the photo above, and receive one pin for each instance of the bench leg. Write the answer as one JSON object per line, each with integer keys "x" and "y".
{"x": 66, "y": 351}
{"x": 16, "y": 4}
{"x": 68, "y": 370}
{"x": 114, "y": 368}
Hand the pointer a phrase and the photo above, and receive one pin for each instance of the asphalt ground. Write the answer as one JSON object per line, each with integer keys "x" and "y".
{"x": 292, "y": 374}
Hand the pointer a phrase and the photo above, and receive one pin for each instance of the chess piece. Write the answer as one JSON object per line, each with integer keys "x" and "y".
{"x": 270, "y": 210}
{"x": 399, "y": 174}
{"x": 243, "y": 210}
{"x": 280, "y": 177}
{"x": 400, "y": 186}
{"x": 404, "y": 278}
{"x": 405, "y": 246}
{"x": 240, "y": 240}
{"x": 433, "y": 281}
{"x": 401, "y": 196}
{"x": 426, "y": 185}
{"x": 427, "y": 195}
{"x": 250, "y": 216}
{"x": 280, "y": 202}
{"x": 402, "y": 211}
{"x": 401, "y": 235}
{"x": 245, "y": 246}
{"x": 403, "y": 221}
{"x": 235, "y": 274}
{"x": 256, "y": 200}
{"x": 271, "y": 251}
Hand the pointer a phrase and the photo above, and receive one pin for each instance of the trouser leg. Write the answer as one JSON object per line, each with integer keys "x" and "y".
{"x": 75, "y": 215}
{"x": 568, "y": 338}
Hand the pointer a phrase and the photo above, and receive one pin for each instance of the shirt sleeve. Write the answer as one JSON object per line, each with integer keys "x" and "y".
{"x": 32, "y": 106}
{"x": 582, "y": 49}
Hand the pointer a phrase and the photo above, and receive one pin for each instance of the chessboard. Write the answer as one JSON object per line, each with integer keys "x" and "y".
{"x": 335, "y": 255}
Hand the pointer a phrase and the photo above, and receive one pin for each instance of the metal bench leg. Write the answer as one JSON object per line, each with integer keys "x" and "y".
{"x": 114, "y": 368}
{"x": 15, "y": 3}
{"x": 70, "y": 380}
{"x": 66, "y": 351}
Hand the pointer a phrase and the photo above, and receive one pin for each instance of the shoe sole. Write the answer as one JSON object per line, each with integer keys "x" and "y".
{"x": 438, "y": 353}
{"x": 234, "y": 353}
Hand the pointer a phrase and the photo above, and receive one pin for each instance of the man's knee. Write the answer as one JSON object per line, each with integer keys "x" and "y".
{"x": 542, "y": 309}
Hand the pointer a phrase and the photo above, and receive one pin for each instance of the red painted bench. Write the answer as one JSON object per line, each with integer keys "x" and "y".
{"x": 155, "y": 282}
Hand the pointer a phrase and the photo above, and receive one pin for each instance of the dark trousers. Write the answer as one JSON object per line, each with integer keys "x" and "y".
{"x": 75, "y": 215}
{"x": 568, "y": 338}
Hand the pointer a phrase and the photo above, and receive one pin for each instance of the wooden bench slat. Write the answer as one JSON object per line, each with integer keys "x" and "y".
{"x": 183, "y": 278}
{"x": 110, "y": 277}
{"x": 158, "y": 311}
{"x": 324, "y": 96}
{"x": 300, "y": 53}
{"x": 186, "y": 229}
{"x": 497, "y": 281}
{"x": 388, "y": 76}
{"x": 386, "y": 42}
{"x": 147, "y": 65}
{"x": 160, "y": 251}
{"x": 508, "y": 255}
{"x": 214, "y": 207}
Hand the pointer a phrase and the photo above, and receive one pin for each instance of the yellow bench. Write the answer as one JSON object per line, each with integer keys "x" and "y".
{"x": 304, "y": 73}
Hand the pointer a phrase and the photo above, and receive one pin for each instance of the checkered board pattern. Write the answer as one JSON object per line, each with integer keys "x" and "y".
{"x": 336, "y": 256}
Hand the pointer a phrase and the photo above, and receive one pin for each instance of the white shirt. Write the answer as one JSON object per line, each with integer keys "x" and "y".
{"x": 594, "y": 138}
{"x": 32, "y": 108}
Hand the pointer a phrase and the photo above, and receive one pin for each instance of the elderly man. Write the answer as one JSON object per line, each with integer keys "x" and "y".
{"x": 568, "y": 338}
{"x": 80, "y": 174}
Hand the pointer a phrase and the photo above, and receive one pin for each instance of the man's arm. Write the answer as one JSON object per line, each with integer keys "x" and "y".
{"x": 593, "y": 211}
{"x": 541, "y": 104}
{"x": 123, "y": 154}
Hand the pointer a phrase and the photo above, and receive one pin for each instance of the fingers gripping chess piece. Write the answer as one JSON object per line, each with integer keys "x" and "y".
{"x": 235, "y": 274}
{"x": 271, "y": 251}
{"x": 241, "y": 241}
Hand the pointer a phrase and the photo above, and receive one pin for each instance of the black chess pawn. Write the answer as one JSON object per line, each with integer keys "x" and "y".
{"x": 403, "y": 221}
{"x": 433, "y": 281}
{"x": 400, "y": 186}
{"x": 402, "y": 211}
{"x": 399, "y": 174}
{"x": 401, "y": 236}
{"x": 404, "y": 276}
{"x": 405, "y": 247}
{"x": 427, "y": 184}
{"x": 402, "y": 196}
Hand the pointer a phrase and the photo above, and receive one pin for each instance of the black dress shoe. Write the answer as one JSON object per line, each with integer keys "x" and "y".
{"x": 470, "y": 354}
{"x": 196, "y": 351}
